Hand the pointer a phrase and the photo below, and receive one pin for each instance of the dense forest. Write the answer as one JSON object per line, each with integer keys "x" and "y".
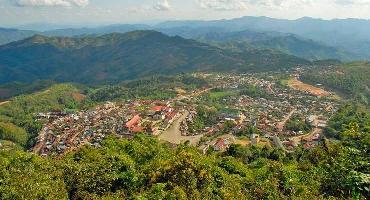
{"x": 116, "y": 57}
{"x": 143, "y": 168}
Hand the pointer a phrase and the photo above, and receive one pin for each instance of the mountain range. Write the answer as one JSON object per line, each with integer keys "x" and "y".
{"x": 343, "y": 39}
{"x": 347, "y": 34}
{"x": 116, "y": 57}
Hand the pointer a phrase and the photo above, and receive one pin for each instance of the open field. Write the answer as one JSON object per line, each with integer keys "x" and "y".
{"x": 298, "y": 85}
{"x": 173, "y": 134}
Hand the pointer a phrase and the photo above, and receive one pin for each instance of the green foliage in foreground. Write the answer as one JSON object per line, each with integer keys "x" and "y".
{"x": 143, "y": 168}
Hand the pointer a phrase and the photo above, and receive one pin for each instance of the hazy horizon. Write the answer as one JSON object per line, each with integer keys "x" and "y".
{"x": 18, "y": 13}
{"x": 44, "y": 26}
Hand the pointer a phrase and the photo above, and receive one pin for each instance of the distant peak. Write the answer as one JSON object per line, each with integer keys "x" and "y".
{"x": 37, "y": 38}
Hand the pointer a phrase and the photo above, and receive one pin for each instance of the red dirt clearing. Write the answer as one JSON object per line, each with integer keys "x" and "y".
{"x": 298, "y": 85}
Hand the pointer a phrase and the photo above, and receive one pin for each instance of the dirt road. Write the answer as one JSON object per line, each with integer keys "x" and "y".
{"x": 301, "y": 137}
{"x": 4, "y": 102}
{"x": 173, "y": 134}
{"x": 281, "y": 124}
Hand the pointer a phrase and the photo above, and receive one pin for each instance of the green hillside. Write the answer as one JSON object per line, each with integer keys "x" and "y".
{"x": 117, "y": 57}
{"x": 303, "y": 48}
{"x": 351, "y": 80}
{"x": 286, "y": 43}
{"x": 17, "y": 116}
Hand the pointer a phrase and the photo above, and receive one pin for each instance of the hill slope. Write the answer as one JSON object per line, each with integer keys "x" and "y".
{"x": 117, "y": 57}
{"x": 348, "y": 34}
{"x": 287, "y": 43}
{"x": 351, "y": 80}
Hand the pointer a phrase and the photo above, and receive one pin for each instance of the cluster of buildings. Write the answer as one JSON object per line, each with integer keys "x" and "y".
{"x": 68, "y": 130}
{"x": 65, "y": 131}
{"x": 269, "y": 115}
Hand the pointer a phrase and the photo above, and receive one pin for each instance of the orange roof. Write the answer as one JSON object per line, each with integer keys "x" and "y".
{"x": 137, "y": 129}
{"x": 220, "y": 143}
{"x": 135, "y": 120}
{"x": 158, "y": 108}
{"x": 171, "y": 115}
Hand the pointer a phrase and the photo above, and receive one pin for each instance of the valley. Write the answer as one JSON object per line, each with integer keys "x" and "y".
{"x": 106, "y": 100}
{"x": 242, "y": 106}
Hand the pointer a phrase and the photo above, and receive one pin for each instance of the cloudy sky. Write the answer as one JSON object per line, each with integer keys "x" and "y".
{"x": 97, "y": 12}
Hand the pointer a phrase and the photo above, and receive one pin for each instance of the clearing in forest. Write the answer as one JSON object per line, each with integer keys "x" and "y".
{"x": 299, "y": 85}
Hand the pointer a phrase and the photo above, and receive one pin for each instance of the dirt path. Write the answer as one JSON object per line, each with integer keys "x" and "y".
{"x": 299, "y": 85}
{"x": 198, "y": 93}
{"x": 301, "y": 137}
{"x": 173, "y": 134}
{"x": 281, "y": 124}
{"x": 4, "y": 102}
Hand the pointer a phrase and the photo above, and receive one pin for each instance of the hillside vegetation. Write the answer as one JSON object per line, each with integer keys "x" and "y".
{"x": 286, "y": 43}
{"x": 17, "y": 122}
{"x": 351, "y": 80}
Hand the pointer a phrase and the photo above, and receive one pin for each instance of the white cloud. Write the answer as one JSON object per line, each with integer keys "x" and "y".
{"x": 352, "y": 2}
{"x": 44, "y": 3}
{"x": 223, "y": 4}
{"x": 162, "y": 6}
{"x": 249, "y": 4}
{"x": 245, "y": 4}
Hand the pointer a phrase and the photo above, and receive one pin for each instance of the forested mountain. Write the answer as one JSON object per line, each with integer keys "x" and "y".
{"x": 344, "y": 39}
{"x": 287, "y": 43}
{"x": 116, "y": 57}
{"x": 348, "y": 34}
{"x": 118, "y": 28}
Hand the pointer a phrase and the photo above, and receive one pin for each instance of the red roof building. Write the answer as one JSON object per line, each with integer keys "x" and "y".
{"x": 158, "y": 108}
{"x": 220, "y": 145}
{"x": 171, "y": 115}
{"x": 137, "y": 129}
{"x": 133, "y": 122}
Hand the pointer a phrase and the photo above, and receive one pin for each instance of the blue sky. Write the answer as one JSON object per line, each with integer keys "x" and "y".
{"x": 98, "y": 12}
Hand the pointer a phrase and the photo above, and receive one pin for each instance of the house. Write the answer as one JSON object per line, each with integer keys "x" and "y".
{"x": 133, "y": 122}
{"x": 158, "y": 108}
{"x": 137, "y": 129}
{"x": 220, "y": 145}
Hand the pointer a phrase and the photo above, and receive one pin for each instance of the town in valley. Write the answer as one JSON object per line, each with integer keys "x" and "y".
{"x": 265, "y": 109}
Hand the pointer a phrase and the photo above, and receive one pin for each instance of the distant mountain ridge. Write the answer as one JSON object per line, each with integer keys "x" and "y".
{"x": 10, "y": 35}
{"x": 285, "y": 42}
{"x": 117, "y": 57}
{"x": 344, "y": 39}
{"x": 349, "y": 34}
